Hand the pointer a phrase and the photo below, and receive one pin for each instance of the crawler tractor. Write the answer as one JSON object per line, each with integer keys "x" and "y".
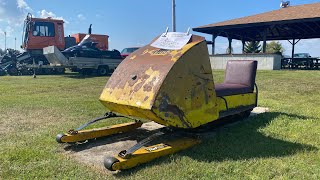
{"x": 172, "y": 87}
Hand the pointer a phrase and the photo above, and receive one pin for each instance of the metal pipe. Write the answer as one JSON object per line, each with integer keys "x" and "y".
{"x": 5, "y": 40}
{"x": 173, "y": 15}
{"x": 90, "y": 29}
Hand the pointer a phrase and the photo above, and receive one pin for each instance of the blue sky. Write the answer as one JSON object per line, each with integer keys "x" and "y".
{"x": 137, "y": 22}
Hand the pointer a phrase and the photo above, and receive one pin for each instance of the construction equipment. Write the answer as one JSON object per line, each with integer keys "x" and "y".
{"x": 39, "y": 33}
{"x": 170, "y": 82}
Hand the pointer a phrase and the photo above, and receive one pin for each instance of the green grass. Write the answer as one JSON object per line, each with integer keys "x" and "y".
{"x": 281, "y": 144}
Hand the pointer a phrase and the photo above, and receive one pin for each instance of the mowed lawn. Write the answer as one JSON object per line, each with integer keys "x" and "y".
{"x": 281, "y": 144}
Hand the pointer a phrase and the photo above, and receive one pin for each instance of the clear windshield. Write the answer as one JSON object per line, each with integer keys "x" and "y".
{"x": 85, "y": 40}
{"x": 128, "y": 50}
{"x": 301, "y": 55}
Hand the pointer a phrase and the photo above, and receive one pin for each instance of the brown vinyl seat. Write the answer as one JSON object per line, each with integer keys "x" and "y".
{"x": 239, "y": 78}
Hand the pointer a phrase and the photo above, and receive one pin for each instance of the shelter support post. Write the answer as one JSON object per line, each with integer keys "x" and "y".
{"x": 243, "y": 45}
{"x": 293, "y": 44}
{"x": 230, "y": 45}
{"x": 214, "y": 36}
{"x": 264, "y": 46}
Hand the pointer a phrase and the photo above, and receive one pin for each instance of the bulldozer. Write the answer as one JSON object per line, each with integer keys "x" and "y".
{"x": 170, "y": 82}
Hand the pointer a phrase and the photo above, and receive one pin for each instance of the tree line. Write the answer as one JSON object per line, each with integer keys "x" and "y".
{"x": 255, "y": 47}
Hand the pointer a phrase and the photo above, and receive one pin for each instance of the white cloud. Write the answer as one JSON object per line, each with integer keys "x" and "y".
{"x": 45, "y": 14}
{"x": 12, "y": 15}
{"x": 23, "y": 5}
{"x": 9, "y": 30}
{"x": 81, "y": 17}
{"x": 13, "y": 12}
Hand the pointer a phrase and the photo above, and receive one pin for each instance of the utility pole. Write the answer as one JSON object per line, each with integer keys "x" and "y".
{"x": 15, "y": 43}
{"x": 5, "y": 40}
{"x": 173, "y": 15}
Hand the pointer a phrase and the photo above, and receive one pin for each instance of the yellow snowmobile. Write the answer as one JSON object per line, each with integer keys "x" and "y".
{"x": 172, "y": 86}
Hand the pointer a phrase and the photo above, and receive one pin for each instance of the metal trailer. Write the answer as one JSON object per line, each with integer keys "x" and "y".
{"x": 103, "y": 66}
{"x": 25, "y": 63}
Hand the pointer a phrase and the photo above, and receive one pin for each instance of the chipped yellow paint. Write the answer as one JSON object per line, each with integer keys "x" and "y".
{"x": 190, "y": 94}
{"x": 134, "y": 111}
{"x": 176, "y": 54}
{"x": 159, "y": 52}
{"x": 133, "y": 57}
{"x": 129, "y": 96}
{"x": 145, "y": 52}
{"x": 156, "y": 52}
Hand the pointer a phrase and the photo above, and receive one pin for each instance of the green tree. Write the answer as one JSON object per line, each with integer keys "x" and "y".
{"x": 275, "y": 47}
{"x": 252, "y": 47}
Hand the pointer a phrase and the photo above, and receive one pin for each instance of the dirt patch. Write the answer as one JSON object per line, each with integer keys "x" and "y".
{"x": 93, "y": 152}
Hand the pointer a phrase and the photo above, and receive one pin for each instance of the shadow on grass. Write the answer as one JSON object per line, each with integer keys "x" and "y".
{"x": 244, "y": 141}
{"x": 238, "y": 141}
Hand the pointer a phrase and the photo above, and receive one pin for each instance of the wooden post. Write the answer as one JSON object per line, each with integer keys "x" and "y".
{"x": 230, "y": 45}
{"x": 293, "y": 43}
{"x": 264, "y": 46}
{"x": 243, "y": 45}
{"x": 214, "y": 36}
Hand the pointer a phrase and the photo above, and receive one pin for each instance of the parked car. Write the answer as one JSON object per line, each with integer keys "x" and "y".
{"x": 303, "y": 60}
{"x": 302, "y": 55}
{"x": 126, "y": 51}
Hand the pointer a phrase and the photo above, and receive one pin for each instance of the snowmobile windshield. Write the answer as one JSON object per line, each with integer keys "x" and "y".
{"x": 86, "y": 40}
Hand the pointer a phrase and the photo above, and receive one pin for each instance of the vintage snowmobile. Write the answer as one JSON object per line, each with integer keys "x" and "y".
{"x": 173, "y": 87}
{"x": 87, "y": 48}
